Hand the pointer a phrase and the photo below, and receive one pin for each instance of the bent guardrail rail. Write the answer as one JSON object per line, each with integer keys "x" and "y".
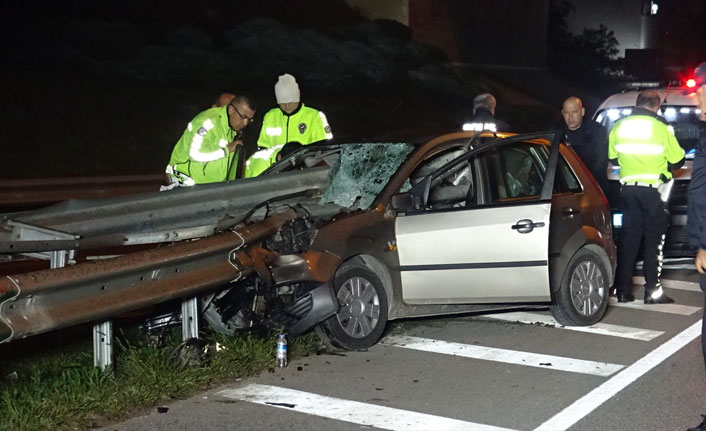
{"x": 182, "y": 213}
{"x": 41, "y": 301}
{"x": 33, "y": 193}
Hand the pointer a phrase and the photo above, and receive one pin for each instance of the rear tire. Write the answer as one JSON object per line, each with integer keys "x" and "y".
{"x": 582, "y": 298}
{"x": 362, "y": 313}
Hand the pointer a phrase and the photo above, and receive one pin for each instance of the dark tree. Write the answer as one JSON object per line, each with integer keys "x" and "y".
{"x": 588, "y": 60}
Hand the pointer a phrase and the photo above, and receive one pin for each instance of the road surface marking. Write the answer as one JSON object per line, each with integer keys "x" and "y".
{"x": 671, "y": 284}
{"x": 516, "y": 357}
{"x": 598, "y": 328}
{"x": 639, "y": 304}
{"x": 592, "y": 400}
{"x": 364, "y": 414}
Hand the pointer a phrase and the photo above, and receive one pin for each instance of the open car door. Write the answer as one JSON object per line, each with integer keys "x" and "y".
{"x": 480, "y": 233}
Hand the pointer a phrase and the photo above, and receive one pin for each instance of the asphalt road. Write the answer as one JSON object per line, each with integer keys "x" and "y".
{"x": 640, "y": 369}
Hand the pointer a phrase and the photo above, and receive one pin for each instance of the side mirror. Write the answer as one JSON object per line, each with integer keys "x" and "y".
{"x": 402, "y": 202}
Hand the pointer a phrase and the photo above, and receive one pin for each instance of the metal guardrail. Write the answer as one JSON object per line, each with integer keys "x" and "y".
{"x": 40, "y": 301}
{"x": 182, "y": 213}
{"x": 32, "y": 193}
{"x": 211, "y": 215}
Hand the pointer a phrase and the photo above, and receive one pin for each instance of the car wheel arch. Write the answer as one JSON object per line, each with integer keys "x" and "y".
{"x": 563, "y": 306}
{"x": 559, "y": 261}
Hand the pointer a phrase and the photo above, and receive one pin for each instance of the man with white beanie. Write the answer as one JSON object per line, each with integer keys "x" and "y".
{"x": 290, "y": 121}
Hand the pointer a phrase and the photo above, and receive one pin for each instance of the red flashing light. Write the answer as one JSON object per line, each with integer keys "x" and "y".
{"x": 691, "y": 83}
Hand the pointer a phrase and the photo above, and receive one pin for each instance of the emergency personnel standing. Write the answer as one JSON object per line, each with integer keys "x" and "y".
{"x": 483, "y": 117}
{"x": 696, "y": 218}
{"x": 645, "y": 148}
{"x": 588, "y": 138}
{"x": 290, "y": 121}
{"x": 206, "y": 151}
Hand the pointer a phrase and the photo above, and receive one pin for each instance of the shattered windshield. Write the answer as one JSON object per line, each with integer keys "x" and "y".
{"x": 362, "y": 171}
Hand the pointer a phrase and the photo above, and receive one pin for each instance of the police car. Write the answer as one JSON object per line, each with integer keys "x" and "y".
{"x": 680, "y": 109}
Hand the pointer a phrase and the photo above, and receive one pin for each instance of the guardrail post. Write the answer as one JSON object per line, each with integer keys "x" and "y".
{"x": 102, "y": 332}
{"x": 57, "y": 259}
{"x": 103, "y": 344}
{"x": 190, "y": 318}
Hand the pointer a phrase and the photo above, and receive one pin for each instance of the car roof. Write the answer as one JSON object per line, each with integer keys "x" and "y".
{"x": 675, "y": 96}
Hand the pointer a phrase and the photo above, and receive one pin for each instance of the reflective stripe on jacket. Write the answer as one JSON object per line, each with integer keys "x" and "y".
{"x": 201, "y": 154}
{"x": 260, "y": 161}
{"x": 644, "y": 145}
{"x": 305, "y": 125}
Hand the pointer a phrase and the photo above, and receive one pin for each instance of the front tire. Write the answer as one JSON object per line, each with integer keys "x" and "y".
{"x": 362, "y": 313}
{"x": 582, "y": 298}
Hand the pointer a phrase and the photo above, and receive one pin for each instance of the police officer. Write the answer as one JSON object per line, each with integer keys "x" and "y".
{"x": 206, "y": 152}
{"x": 290, "y": 121}
{"x": 696, "y": 218}
{"x": 645, "y": 148}
{"x": 696, "y": 221}
{"x": 483, "y": 117}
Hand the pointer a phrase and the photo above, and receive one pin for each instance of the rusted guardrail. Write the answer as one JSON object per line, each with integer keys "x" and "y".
{"x": 41, "y": 301}
{"x": 33, "y": 193}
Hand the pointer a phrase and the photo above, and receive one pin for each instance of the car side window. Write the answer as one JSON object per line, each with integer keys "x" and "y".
{"x": 566, "y": 181}
{"x": 452, "y": 187}
{"x": 449, "y": 182}
{"x": 512, "y": 172}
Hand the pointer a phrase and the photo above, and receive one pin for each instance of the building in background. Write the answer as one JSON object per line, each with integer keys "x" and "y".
{"x": 633, "y": 22}
{"x": 510, "y": 33}
{"x": 635, "y": 25}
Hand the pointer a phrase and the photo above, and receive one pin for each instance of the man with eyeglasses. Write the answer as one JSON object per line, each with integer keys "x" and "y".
{"x": 291, "y": 121}
{"x": 207, "y": 151}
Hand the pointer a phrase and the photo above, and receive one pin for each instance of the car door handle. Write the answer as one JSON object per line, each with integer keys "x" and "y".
{"x": 526, "y": 225}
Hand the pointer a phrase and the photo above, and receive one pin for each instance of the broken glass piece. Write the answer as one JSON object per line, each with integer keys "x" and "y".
{"x": 362, "y": 171}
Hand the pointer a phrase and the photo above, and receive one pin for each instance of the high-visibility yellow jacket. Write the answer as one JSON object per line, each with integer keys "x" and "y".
{"x": 305, "y": 125}
{"x": 201, "y": 155}
{"x": 644, "y": 145}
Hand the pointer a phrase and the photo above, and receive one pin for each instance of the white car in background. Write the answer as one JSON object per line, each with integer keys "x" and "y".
{"x": 679, "y": 108}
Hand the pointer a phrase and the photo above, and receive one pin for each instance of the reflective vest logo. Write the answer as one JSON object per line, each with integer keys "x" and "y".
{"x": 302, "y": 128}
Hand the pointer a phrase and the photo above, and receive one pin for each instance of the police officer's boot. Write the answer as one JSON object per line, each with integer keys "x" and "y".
{"x": 657, "y": 296}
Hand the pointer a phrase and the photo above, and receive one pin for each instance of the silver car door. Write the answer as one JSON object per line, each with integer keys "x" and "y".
{"x": 496, "y": 251}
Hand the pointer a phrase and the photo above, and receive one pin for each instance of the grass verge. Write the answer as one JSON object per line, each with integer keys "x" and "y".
{"x": 59, "y": 389}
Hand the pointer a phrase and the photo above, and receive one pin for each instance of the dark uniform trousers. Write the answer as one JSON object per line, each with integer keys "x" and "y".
{"x": 644, "y": 221}
{"x": 702, "y": 283}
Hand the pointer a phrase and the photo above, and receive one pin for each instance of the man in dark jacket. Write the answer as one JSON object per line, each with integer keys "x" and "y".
{"x": 588, "y": 138}
{"x": 696, "y": 218}
{"x": 483, "y": 117}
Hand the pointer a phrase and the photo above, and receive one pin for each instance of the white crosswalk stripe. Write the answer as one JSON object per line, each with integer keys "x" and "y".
{"x": 592, "y": 400}
{"x": 503, "y": 355}
{"x": 599, "y": 328}
{"x": 639, "y": 304}
{"x": 364, "y": 414}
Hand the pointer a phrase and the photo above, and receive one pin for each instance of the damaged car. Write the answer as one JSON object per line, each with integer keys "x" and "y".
{"x": 464, "y": 222}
